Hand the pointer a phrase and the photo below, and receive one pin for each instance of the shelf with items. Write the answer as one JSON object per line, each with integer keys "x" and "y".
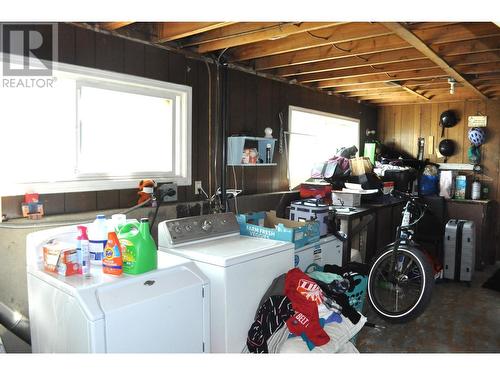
{"x": 236, "y": 147}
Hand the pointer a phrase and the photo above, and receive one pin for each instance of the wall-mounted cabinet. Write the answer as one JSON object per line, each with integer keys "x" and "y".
{"x": 236, "y": 147}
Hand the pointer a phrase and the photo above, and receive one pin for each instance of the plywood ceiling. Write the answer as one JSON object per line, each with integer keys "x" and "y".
{"x": 373, "y": 62}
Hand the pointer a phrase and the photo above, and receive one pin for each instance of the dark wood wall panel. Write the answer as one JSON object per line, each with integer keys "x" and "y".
{"x": 109, "y": 53}
{"x": 85, "y": 42}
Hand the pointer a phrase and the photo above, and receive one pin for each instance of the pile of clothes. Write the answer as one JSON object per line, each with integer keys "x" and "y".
{"x": 313, "y": 312}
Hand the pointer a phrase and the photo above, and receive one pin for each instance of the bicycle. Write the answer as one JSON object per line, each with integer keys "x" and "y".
{"x": 400, "y": 279}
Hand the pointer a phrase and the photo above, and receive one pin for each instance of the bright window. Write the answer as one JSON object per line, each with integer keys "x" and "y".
{"x": 314, "y": 138}
{"x": 94, "y": 130}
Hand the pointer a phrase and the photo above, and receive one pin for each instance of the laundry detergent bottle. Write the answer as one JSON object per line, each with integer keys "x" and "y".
{"x": 112, "y": 261}
{"x": 139, "y": 249}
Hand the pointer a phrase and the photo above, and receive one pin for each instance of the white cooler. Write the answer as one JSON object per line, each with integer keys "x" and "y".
{"x": 310, "y": 209}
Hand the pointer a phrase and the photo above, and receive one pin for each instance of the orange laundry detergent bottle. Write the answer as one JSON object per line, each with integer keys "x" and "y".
{"x": 112, "y": 262}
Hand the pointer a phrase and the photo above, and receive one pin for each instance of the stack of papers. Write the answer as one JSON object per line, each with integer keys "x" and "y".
{"x": 356, "y": 188}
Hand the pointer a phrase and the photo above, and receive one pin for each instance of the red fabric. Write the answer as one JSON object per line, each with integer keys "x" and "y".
{"x": 305, "y": 295}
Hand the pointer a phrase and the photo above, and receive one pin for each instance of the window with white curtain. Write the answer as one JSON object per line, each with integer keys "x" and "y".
{"x": 94, "y": 130}
{"x": 314, "y": 138}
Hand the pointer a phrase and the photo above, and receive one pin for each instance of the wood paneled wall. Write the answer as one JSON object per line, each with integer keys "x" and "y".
{"x": 401, "y": 125}
{"x": 254, "y": 103}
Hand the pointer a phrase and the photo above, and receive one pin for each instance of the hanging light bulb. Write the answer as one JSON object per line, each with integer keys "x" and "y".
{"x": 452, "y": 83}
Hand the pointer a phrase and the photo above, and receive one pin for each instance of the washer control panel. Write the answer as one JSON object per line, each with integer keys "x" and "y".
{"x": 195, "y": 228}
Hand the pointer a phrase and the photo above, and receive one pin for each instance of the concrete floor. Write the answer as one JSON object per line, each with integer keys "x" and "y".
{"x": 458, "y": 320}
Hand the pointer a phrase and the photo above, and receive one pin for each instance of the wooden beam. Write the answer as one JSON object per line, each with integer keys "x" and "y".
{"x": 457, "y": 32}
{"x": 479, "y": 68}
{"x": 227, "y": 32}
{"x": 416, "y": 42}
{"x": 485, "y": 77}
{"x": 387, "y": 91}
{"x": 275, "y": 32}
{"x": 168, "y": 31}
{"x": 428, "y": 25}
{"x": 433, "y": 99}
{"x": 473, "y": 58}
{"x": 364, "y": 87}
{"x": 332, "y": 51}
{"x": 366, "y": 70}
{"x": 408, "y": 54}
{"x": 408, "y": 90}
{"x": 382, "y": 77}
{"x": 114, "y": 25}
{"x": 385, "y": 96}
{"x": 324, "y": 37}
{"x": 467, "y": 46}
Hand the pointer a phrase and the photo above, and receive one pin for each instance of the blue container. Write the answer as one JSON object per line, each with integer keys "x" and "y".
{"x": 428, "y": 185}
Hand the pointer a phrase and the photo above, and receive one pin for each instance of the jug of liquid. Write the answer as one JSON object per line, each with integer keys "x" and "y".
{"x": 138, "y": 247}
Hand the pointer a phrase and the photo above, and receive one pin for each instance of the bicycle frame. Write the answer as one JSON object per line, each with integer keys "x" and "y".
{"x": 404, "y": 231}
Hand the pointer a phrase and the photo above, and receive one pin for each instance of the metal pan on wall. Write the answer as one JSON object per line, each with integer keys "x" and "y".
{"x": 447, "y": 119}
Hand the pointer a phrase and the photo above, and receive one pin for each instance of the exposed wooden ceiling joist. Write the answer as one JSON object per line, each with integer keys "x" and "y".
{"x": 114, "y": 25}
{"x": 227, "y": 32}
{"x": 408, "y": 54}
{"x": 337, "y": 34}
{"x": 434, "y": 99}
{"x": 457, "y": 32}
{"x": 364, "y": 87}
{"x": 427, "y": 25}
{"x": 332, "y": 51}
{"x": 388, "y": 91}
{"x": 408, "y": 90}
{"x": 474, "y": 58}
{"x": 411, "y": 38}
{"x": 275, "y": 32}
{"x": 366, "y": 70}
{"x": 467, "y": 46}
{"x": 383, "y": 77}
{"x": 168, "y": 31}
{"x": 492, "y": 67}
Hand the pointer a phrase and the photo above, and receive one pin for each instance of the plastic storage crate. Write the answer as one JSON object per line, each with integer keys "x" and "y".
{"x": 358, "y": 295}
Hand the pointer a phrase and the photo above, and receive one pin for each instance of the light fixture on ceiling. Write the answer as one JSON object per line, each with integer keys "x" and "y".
{"x": 452, "y": 83}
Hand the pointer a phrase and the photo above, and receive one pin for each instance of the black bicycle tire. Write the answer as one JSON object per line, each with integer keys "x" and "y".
{"x": 425, "y": 297}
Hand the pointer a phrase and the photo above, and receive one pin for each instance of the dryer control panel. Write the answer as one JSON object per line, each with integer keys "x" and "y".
{"x": 196, "y": 228}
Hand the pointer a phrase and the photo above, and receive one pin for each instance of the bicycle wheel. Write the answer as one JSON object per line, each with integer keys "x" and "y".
{"x": 406, "y": 295}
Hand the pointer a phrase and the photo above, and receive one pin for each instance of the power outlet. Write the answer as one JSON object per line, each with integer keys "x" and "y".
{"x": 197, "y": 186}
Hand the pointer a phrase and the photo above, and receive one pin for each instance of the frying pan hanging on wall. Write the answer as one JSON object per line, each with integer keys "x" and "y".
{"x": 446, "y": 148}
{"x": 447, "y": 119}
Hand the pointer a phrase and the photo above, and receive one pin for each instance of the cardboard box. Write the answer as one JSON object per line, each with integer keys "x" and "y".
{"x": 360, "y": 166}
{"x": 268, "y": 225}
{"x": 61, "y": 257}
{"x": 32, "y": 209}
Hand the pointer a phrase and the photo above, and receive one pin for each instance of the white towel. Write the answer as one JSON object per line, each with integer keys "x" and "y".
{"x": 340, "y": 334}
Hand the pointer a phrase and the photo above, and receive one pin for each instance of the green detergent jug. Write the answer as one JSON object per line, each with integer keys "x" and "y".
{"x": 139, "y": 249}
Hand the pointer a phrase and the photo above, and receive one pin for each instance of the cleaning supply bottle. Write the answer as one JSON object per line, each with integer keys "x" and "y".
{"x": 98, "y": 236}
{"x": 139, "y": 249}
{"x": 83, "y": 250}
{"x": 112, "y": 262}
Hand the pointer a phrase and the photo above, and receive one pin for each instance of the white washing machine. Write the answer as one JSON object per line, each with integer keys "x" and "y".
{"x": 240, "y": 270}
{"x": 162, "y": 311}
{"x": 328, "y": 250}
